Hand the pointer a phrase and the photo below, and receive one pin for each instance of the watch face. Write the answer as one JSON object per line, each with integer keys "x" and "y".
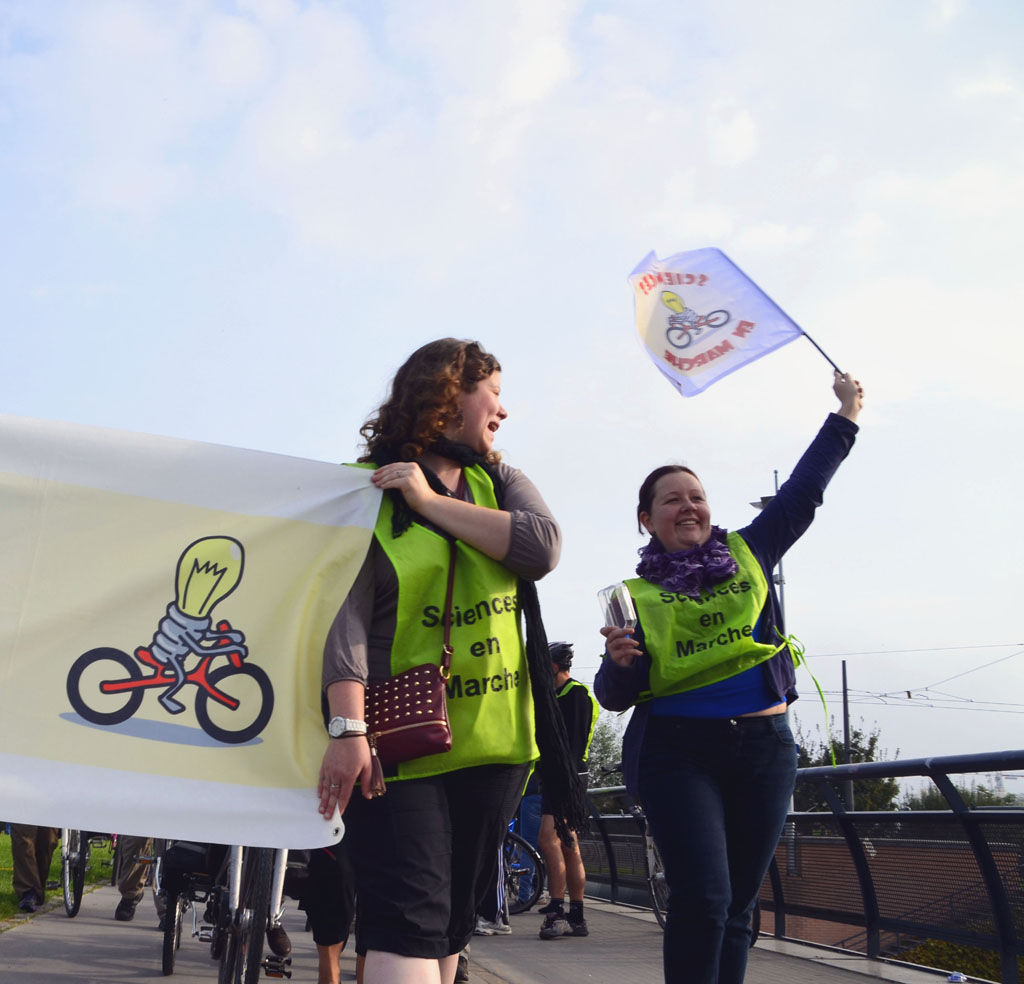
{"x": 336, "y": 727}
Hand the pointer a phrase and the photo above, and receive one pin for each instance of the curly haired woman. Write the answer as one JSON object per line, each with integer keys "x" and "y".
{"x": 423, "y": 853}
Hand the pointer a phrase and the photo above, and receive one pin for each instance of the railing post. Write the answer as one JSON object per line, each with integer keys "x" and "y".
{"x": 990, "y": 875}
{"x": 613, "y": 870}
{"x": 860, "y": 864}
{"x": 778, "y": 900}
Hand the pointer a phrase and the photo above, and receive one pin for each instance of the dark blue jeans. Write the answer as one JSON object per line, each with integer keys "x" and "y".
{"x": 716, "y": 793}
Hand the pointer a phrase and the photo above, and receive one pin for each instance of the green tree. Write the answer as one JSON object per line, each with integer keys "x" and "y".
{"x": 973, "y": 795}
{"x": 606, "y": 751}
{"x": 816, "y": 750}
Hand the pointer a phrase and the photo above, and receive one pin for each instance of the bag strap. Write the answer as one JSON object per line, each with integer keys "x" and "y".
{"x": 446, "y": 648}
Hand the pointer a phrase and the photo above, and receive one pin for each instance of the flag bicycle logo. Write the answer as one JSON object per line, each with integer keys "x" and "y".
{"x": 684, "y": 324}
{"x": 233, "y": 702}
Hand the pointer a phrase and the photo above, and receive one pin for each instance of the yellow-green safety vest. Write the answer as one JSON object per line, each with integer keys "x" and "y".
{"x": 696, "y": 642}
{"x": 490, "y": 705}
{"x": 569, "y": 684}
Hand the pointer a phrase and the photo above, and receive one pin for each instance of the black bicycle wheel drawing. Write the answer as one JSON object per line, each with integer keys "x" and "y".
{"x": 89, "y": 672}
{"x": 251, "y": 687}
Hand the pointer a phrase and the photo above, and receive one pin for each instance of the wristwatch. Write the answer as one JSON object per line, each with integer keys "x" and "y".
{"x": 339, "y": 727}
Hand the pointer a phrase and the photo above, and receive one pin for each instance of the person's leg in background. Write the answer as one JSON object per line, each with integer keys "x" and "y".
{"x": 32, "y": 849}
{"x": 132, "y": 882}
{"x": 565, "y": 870}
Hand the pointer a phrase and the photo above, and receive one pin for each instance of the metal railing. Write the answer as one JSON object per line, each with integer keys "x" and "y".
{"x": 873, "y": 882}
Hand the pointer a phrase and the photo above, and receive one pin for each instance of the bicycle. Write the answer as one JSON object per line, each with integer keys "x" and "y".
{"x": 75, "y": 846}
{"x": 657, "y": 886}
{"x": 74, "y": 859}
{"x": 95, "y": 673}
{"x": 235, "y": 920}
{"x": 683, "y": 328}
{"x": 524, "y": 867}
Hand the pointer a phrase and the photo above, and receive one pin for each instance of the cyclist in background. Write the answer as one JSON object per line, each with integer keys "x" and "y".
{"x": 564, "y": 863}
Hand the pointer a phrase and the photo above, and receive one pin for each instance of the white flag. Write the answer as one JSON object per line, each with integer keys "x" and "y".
{"x": 700, "y": 317}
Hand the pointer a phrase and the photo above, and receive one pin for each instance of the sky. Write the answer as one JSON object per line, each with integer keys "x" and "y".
{"x": 232, "y": 221}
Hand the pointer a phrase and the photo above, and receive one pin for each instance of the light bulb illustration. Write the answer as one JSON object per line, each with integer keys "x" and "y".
{"x": 208, "y": 571}
{"x": 673, "y": 301}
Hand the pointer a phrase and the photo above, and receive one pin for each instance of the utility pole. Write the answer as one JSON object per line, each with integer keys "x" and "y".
{"x": 848, "y": 783}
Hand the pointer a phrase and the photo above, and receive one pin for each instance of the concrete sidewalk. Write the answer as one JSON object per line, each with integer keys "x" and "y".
{"x": 624, "y": 948}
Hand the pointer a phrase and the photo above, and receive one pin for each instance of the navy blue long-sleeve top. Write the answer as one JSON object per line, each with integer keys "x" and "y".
{"x": 775, "y": 529}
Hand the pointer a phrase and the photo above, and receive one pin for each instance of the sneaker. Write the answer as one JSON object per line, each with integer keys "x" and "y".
{"x": 555, "y": 926}
{"x": 462, "y": 969}
{"x": 29, "y": 902}
{"x": 579, "y": 928}
{"x": 484, "y": 927}
{"x": 125, "y": 911}
{"x": 277, "y": 940}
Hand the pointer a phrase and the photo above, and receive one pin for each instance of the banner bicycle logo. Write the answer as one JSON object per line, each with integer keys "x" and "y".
{"x": 233, "y": 702}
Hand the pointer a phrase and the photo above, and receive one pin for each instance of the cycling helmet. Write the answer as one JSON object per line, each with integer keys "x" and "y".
{"x": 561, "y": 654}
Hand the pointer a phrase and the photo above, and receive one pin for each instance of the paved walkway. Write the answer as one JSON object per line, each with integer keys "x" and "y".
{"x": 624, "y": 948}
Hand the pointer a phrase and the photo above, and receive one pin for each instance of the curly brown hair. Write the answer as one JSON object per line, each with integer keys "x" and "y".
{"x": 424, "y": 398}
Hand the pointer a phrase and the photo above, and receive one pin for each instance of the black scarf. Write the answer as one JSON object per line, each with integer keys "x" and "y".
{"x": 564, "y": 789}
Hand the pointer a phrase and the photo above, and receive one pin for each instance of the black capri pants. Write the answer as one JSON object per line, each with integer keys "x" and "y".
{"x": 424, "y": 854}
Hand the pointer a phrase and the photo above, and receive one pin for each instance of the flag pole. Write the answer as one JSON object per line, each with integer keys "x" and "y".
{"x": 822, "y": 351}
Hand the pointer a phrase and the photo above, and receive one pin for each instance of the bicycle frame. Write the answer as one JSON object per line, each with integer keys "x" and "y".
{"x": 163, "y": 676}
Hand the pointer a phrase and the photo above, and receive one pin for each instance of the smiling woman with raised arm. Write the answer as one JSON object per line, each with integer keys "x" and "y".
{"x": 424, "y": 852}
{"x": 708, "y": 750}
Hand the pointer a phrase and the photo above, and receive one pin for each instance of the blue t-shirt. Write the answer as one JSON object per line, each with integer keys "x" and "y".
{"x": 743, "y": 693}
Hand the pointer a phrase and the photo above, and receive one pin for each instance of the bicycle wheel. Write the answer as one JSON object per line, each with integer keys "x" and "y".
{"x": 716, "y": 319}
{"x": 99, "y": 666}
{"x": 524, "y": 874}
{"x": 74, "y": 857}
{"x": 172, "y": 931}
{"x": 256, "y": 888}
{"x": 251, "y": 687}
{"x": 679, "y": 337}
{"x": 70, "y": 845}
{"x": 243, "y": 957}
{"x": 656, "y": 882}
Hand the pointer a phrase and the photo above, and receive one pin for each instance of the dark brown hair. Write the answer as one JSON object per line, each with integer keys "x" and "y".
{"x": 645, "y": 499}
{"x": 424, "y": 397}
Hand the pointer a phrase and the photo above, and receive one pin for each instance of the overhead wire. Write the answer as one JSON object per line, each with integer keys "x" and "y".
{"x": 932, "y": 649}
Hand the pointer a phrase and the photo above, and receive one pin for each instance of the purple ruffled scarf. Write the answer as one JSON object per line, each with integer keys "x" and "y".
{"x": 689, "y": 572}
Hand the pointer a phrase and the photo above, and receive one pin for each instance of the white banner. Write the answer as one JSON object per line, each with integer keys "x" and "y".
{"x": 700, "y": 317}
{"x": 163, "y": 611}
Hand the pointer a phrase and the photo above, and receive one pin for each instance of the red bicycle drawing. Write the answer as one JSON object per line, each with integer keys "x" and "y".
{"x": 208, "y": 571}
{"x": 106, "y": 686}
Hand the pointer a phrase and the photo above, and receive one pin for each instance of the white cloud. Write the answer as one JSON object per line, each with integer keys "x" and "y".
{"x": 978, "y": 190}
{"x": 732, "y": 132}
{"x": 772, "y": 235}
{"x": 989, "y": 85}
